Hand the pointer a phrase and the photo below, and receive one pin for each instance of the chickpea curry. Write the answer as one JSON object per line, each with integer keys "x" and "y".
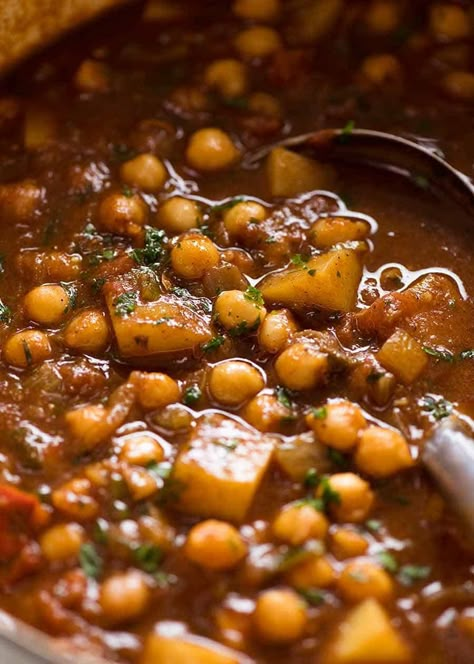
{"x": 217, "y": 376}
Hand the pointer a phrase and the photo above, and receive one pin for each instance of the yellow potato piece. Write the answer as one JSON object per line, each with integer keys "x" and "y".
{"x": 170, "y": 644}
{"x": 164, "y": 326}
{"x": 220, "y": 468}
{"x": 365, "y": 636}
{"x": 329, "y": 281}
{"x": 289, "y": 173}
{"x": 403, "y": 356}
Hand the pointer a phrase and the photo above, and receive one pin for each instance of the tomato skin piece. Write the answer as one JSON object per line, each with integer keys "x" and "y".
{"x": 17, "y": 512}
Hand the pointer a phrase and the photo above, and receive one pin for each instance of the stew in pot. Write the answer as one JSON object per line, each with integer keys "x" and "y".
{"x": 216, "y": 377}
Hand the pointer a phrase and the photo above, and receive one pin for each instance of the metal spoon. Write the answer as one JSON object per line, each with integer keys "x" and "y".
{"x": 448, "y": 453}
{"x": 386, "y": 152}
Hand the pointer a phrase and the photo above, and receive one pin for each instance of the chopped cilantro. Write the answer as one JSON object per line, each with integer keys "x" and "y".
{"x": 5, "y": 313}
{"x": 122, "y": 152}
{"x": 125, "y": 303}
{"x": 387, "y": 561}
{"x": 439, "y": 354}
{"x": 319, "y": 413}
{"x": 161, "y": 470}
{"x": 438, "y": 407}
{"x": 348, "y": 128}
{"x": 228, "y": 444}
{"x": 153, "y": 251}
{"x": 71, "y": 292}
{"x": 100, "y": 531}
{"x": 311, "y": 478}
{"x": 97, "y": 283}
{"x": 213, "y": 344}
{"x": 337, "y": 458}
{"x": 328, "y": 494}
{"x": 312, "y": 596}
{"x": 192, "y": 395}
{"x": 254, "y": 295}
{"x": 148, "y": 557}
{"x": 244, "y": 328}
{"x": 409, "y": 574}
{"x": 127, "y": 191}
{"x": 284, "y": 396}
{"x": 90, "y": 560}
{"x": 300, "y": 261}
{"x": 374, "y": 525}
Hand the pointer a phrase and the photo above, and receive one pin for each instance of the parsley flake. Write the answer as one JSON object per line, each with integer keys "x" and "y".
{"x": 125, "y": 303}
{"x": 90, "y": 560}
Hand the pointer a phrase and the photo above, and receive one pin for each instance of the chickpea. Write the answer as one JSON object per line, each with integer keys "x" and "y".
{"x": 20, "y": 201}
{"x": 234, "y": 381}
{"x": 211, "y": 149}
{"x": 257, "y": 10}
{"x": 215, "y": 545}
{"x": 62, "y": 541}
{"x": 328, "y": 231}
{"x": 239, "y": 217}
{"x": 264, "y": 104}
{"x": 347, "y": 543}
{"x": 276, "y": 330}
{"x": 362, "y": 579}
{"x": 459, "y": 85}
{"x": 355, "y": 497}
{"x": 340, "y": 425}
{"x": 47, "y": 304}
{"x": 145, "y": 171}
{"x": 381, "y": 70}
{"x": 279, "y": 616}
{"x": 27, "y": 348}
{"x": 155, "y": 389}
{"x": 178, "y": 215}
{"x": 382, "y": 452}
{"x": 449, "y": 22}
{"x": 92, "y": 76}
{"x": 193, "y": 256}
{"x": 238, "y": 313}
{"x": 228, "y": 77}
{"x": 383, "y": 16}
{"x": 265, "y": 412}
{"x": 123, "y": 215}
{"x": 296, "y": 523}
{"x": 257, "y": 42}
{"x": 140, "y": 449}
{"x": 140, "y": 483}
{"x": 87, "y": 332}
{"x": 74, "y": 499}
{"x": 314, "y": 572}
{"x": 124, "y": 597}
{"x": 301, "y": 366}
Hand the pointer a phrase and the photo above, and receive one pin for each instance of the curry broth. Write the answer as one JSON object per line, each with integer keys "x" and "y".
{"x": 65, "y": 139}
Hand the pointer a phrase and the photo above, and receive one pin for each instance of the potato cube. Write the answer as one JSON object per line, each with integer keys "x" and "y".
{"x": 171, "y": 644}
{"x": 329, "y": 281}
{"x": 290, "y": 173}
{"x": 145, "y": 329}
{"x": 366, "y": 635}
{"x": 403, "y": 356}
{"x": 221, "y": 467}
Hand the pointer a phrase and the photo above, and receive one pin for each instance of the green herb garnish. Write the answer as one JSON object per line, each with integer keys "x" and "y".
{"x": 5, "y": 313}
{"x": 312, "y": 596}
{"x": 213, "y": 344}
{"x": 387, "y": 561}
{"x": 148, "y": 557}
{"x": 254, "y": 295}
{"x": 409, "y": 574}
{"x": 192, "y": 394}
{"x": 227, "y": 205}
{"x": 284, "y": 396}
{"x": 311, "y": 478}
{"x": 153, "y": 251}
{"x": 125, "y": 303}
{"x": 439, "y": 354}
{"x": 90, "y": 561}
{"x": 438, "y": 407}
{"x": 319, "y": 413}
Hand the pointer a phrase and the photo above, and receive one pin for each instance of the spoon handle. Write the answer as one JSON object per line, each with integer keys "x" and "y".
{"x": 449, "y": 457}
